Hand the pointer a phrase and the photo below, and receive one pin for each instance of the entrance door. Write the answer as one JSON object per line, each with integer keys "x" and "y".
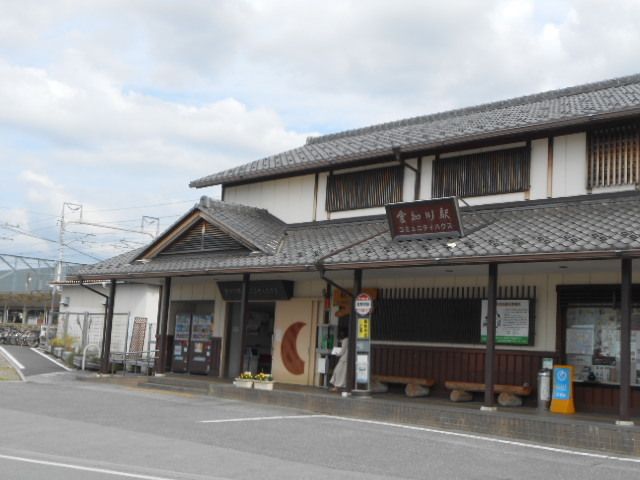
{"x": 257, "y": 340}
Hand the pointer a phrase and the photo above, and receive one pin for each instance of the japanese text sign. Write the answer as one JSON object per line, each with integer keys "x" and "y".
{"x": 425, "y": 219}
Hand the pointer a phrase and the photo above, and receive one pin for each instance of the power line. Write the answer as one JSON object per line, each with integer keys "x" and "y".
{"x": 28, "y": 234}
{"x": 29, "y": 211}
{"x": 141, "y": 206}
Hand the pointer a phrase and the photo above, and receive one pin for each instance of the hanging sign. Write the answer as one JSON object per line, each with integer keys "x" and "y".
{"x": 364, "y": 304}
{"x": 425, "y": 219}
{"x": 261, "y": 290}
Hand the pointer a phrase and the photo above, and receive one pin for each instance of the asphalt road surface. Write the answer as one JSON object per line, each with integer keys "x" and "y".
{"x": 30, "y": 361}
{"x": 55, "y": 427}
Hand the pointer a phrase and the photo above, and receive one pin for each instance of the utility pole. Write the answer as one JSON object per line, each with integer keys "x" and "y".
{"x": 73, "y": 207}
{"x": 68, "y": 207}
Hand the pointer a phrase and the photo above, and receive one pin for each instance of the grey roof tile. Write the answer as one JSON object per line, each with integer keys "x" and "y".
{"x": 455, "y": 126}
{"x": 253, "y": 225}
{"x": 592, "y": 224}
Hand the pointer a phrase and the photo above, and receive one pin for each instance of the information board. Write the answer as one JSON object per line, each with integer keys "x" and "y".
{"x": 513, "y": 322}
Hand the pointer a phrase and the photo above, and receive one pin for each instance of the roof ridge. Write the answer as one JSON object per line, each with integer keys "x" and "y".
{"x": 549, "y": 94}
{"x": 551, "y": 202}
{"x": 208, "y": 202}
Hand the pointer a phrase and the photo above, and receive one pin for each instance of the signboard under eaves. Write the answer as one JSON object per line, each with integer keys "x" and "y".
{"x": 435, "y": 218}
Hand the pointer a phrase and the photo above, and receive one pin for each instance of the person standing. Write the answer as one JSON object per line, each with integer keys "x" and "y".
{"x": 339, "y": 377}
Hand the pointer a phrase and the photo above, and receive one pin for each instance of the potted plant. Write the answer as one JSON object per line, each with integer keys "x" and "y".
{"x": 263, "y": 381}
{"x": 245, "y": 380}
{"x": 57, "y": 345}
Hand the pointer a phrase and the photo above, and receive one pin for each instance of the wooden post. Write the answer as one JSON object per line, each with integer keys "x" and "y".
{"x": 106, "y": 332}
{"x": 489, "y": 380}
{"x": 625, "y": 343}
{"x": 164, "y": 326}
{"x": 244, "y": 315}
{"x": 353, "y": 328}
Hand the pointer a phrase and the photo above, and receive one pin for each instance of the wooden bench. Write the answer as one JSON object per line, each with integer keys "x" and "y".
{"x": 410, "y": 382}
{"x": 459, "y": 389}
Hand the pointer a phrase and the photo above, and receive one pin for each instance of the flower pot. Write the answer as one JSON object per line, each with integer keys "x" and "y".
{"x": 57, "y": 351}
{"x": 243, "y": 383}
{"x": 267, "y": 385}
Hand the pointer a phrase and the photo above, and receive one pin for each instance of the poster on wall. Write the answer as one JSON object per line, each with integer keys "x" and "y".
{"x": 580, "y": 340}
{"x": 513, "y": 322}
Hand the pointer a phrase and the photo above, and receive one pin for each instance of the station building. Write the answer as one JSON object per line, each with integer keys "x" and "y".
{"x": 547, "y": 188}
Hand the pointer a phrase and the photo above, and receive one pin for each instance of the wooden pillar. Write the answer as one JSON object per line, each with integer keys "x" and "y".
{"x": 244, "y": 316}
{"x": 625, "y": 342}
{"x": 163, "y": 325}
{"x": 489, "y": 379}
{"x": 106, "y": 332}
{"x": 353, "y": 328}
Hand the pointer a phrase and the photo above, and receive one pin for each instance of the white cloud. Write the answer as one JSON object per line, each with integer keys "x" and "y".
{"x": 115, "y": 103}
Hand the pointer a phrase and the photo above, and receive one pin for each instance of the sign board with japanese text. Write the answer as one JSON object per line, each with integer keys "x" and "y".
{"x": 435, "y": 218}
{"x": 262, "y": 290}
{"x": 364, "y": 304}
{"x": 514, "y": 321}
{"x": 363, "y": 328}
{"x": 562, "y": 396}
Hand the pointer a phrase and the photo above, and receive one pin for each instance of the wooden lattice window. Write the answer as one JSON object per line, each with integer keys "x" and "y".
{"x": 614, "y": 156}
{"x": 486, "y": 173}
{"x": 366, "y": 189}
{"x": 203, "y": 237}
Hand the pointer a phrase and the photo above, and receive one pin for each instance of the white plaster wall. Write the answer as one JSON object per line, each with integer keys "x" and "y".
{"x": 134, "y": 300}
{"x": 426, "y": 177}
{"x": 321, "y": 212}
{"x": 539, "y": 167}
{"x": 139, "y": 300}
{"x": 409, "y": 185}
{"x": 570, "y": 165}
{"x": 289, "y": 199}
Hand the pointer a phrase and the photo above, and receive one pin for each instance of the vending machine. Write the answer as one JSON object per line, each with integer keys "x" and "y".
{"x": 180, "y": 358}
{"x": 200, "y": 344}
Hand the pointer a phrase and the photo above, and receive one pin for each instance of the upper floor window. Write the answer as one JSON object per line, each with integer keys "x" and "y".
{"x": 614, "y": 156}
{"x": 486, "y": 173}
{"x": 365, "y": 189}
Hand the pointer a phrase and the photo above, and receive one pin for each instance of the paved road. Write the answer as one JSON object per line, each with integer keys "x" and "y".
{"x": 32, "y": 361}
{"x": 55, "y": 427}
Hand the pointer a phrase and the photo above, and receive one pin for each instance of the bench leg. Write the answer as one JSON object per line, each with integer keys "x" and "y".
{"x": 460, "y": 396}
{"x": 414, "y": 390}
{"x": 509, "y": 400}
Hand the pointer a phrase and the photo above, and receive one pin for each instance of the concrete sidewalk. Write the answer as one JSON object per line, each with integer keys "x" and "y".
{"x": 583, "y": 431}
{"x": 7, "y": 371}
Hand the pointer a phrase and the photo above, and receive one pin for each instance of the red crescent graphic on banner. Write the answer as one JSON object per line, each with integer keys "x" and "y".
{"x": 290, "y": 358}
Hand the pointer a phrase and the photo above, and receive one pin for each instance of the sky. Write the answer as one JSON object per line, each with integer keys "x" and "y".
{"x": 110, "y": 108}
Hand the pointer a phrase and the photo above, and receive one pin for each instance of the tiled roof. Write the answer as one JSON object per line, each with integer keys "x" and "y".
{"x": 300, "y": 249}
{"x": 586, "y": 225}
{"x": 255, "y": 226}
{"x": 532, "y": 112}
{"x": 563, "y": 228}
